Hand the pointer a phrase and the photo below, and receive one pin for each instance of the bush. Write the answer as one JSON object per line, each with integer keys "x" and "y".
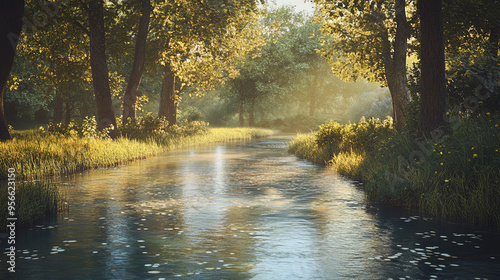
{"x": 362, "y": 138}
{"x": 86, "y": 129}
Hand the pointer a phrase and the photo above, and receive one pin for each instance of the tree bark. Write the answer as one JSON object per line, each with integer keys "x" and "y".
{"x": 58, "y": 109}
{"x": 433, "y": 98}
{"x": 395, "y": 65}
{"x": 69, "y": 108}
{"x": 241, "y": 115}
{"x": 99, "y": 66}
{"x": 251, "y": 113}
{"x": 168, "y": 99}
{"x": 130, "y": 97}
{"x": 11, "y": 14}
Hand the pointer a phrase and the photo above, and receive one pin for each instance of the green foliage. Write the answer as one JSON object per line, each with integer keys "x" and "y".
{"x": 86, "y": 129}
{"x": 357, "y": 36}
{"x": 35, "y": 202}
{"x": 362, "y": 138}
{"x": 454, "y": 177}
{"x": 190, "y": 114}
{"x": 473, "y": 83}
{"x": 150, "y": 126}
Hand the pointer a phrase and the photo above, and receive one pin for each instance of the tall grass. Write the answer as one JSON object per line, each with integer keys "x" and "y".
{"x": 454, "y": 177}
{"x": 35, "y": 201}
{"x": 36, "y": 155}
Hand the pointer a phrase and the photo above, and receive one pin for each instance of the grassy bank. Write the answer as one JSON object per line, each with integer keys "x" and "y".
{"x": 454, "y": 176}
{"x": 36, "y": 154}
{"x": 34, "y": 202}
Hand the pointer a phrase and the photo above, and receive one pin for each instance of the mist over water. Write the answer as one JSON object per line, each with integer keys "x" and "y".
{"x": 241, "y": 211}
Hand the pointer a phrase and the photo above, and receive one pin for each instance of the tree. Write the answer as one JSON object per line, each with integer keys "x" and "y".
{"x": 471, "y": 32}
{"x": 130, "y": 96}
{"x": 368, "y": 39}
{"x": 11, "y": 14}
{"x": 191, "y": 33}
{"x": 433, "y": 104}
{"x": 100, "y": 74}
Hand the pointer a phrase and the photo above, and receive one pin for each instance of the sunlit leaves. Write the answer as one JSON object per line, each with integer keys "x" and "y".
{"x": 353, "y": 36}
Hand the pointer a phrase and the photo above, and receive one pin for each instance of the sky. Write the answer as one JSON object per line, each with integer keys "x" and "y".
{"x": 300, "y": 5}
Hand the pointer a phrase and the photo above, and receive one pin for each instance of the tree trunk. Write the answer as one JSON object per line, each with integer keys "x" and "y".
{"x": 241, "y": 115}
{"x": 58, "y": 109}
{"x": 251, "y": 116}
{"x": 130, "y": 97}
{"x": 168, "y": 100}
{"x": 433, "y": 103}
{"x": 68, "y": 106}
{"x": 11, "y": 14}
{"x": 100, "y": 75}
{"x": 395, "y": 65}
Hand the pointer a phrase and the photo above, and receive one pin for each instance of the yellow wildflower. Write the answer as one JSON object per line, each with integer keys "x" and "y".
{"x": 474, "y": 156}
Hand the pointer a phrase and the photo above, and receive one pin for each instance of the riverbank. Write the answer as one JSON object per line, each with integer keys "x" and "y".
{"x": 453, "y": 177}
{"x": 36, "y": 154}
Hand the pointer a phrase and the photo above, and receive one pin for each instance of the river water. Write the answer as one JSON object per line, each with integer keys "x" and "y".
{"x": 241, "y": 211}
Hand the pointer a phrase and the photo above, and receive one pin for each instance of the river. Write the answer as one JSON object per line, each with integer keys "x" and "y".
{"x": 241, "y": 211}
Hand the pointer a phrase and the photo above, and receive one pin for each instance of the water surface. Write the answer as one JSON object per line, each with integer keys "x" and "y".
{"x": 241, "y": 211}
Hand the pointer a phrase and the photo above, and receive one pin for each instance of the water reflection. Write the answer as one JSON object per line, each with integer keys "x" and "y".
{"x": 241, "y": 211}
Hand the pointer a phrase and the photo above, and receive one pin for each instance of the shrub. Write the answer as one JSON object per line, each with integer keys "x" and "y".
{"x": 86, "y": 129}
{"x": 363, "y": 137}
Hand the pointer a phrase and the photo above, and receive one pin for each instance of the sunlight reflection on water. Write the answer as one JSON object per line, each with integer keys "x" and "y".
{"x": 241, "y": 211}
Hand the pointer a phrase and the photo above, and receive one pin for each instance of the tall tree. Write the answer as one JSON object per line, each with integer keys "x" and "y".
{"x": 130, "y": 97}
{"x": 368, "y": 39}
{"x": 98, "y": 63}
{"x": 191, "y": 34}
{"x": 433, "y": 104}
{"x": 11, "y": 14}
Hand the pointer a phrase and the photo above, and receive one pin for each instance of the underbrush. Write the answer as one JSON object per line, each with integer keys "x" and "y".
{"x": 454, "y": 176}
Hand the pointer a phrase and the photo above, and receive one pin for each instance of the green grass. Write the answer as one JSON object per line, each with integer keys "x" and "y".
{"x": 456, "y": 177}
{"x": 34, "y": 202}
{"x": 36, "y": 155}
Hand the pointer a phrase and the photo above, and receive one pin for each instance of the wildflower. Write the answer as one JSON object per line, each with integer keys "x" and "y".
{"x": 474, "y": 156}
{"x": 440, "y": 153}
{"x": 488, "y": 113}
{"x": 434, "y": 151}
{"x": 446, "y": 181}
{"x": 472, "y": 148}
{"x": 496, "y": 125}
{"x": 441, "y": 163}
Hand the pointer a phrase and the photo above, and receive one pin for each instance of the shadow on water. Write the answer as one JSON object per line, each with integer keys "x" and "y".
{"x": 241, "y": 211}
